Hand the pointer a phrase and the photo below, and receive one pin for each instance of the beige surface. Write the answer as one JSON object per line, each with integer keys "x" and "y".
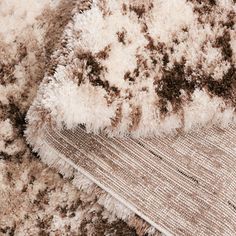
{"x": 34, "y": 199}
{"x": 184, "y": 185}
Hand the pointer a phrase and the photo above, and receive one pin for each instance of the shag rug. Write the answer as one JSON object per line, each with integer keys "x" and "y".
{"x": 35, "y": 199}
{"x": 136, "y": 109}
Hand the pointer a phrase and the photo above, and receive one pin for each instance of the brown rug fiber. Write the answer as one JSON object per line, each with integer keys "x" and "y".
{"x": 133, "y": 102}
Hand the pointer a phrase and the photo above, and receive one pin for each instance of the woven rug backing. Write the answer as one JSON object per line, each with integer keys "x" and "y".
{"x": 182, "y": 185}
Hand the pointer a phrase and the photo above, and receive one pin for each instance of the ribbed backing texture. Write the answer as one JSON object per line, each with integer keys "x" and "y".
{"x": 182, "y": 185}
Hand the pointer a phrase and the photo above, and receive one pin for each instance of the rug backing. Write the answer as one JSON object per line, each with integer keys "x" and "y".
{"x": 182, "y": 185}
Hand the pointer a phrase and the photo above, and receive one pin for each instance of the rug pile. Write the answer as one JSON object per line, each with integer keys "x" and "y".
{"x": 35, "y": 199}
{"x": 136, "y": 108}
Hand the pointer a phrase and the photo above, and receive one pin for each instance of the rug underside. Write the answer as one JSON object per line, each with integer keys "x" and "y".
{"x": 182, "y": 185}
{"x": 159, "y": 69}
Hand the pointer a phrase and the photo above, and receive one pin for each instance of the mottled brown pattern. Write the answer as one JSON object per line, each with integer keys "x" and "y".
{"x": 139, "y": 10}
{"x": 103, "y": 7}
{"x": 172, "y": 81}
{"x": 135, "y": 117}
{"x": 57, "y": 19}
{"x": 6, "y": 73}
{"x": 203, "y": 7}
{"x": 140, "y": 66}
{"x": 223, "y": 42}
{"x": 226, "y": 87}
{"x": 104, "y": 54}
{"x": 34, "y": 197}
{"x": 169, "y": 90}
{"x": 157, "y": 59}
{"x": 117, "y": 119}
{"x": 121, "y": 36}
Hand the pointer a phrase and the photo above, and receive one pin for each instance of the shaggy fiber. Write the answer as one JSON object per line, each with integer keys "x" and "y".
{"x": 120, "y": 68}
{"x": 125, "y": 68}
{"x": 129, "y": 68}
{"x": 34, "y": 199}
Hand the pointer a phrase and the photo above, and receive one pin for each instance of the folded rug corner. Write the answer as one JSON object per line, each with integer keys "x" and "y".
{"x": 141, "y": 98}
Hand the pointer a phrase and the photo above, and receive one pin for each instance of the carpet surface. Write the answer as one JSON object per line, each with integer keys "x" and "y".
{"x": 35, "y": 199}
{"x": 162, "y": 76}
{"x": 142, "y": 69}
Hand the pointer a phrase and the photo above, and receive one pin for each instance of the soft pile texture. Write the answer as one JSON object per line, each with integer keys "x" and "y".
{"x": 35, "y": 199}
{"x": 125, "y": 68}
{"x": 120, "y": 68}
{"x": 142, "y": 69}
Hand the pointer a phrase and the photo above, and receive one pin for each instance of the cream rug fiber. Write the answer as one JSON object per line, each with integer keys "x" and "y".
{"x": 34, "y": 198}
{"x": 139, "y": 98}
